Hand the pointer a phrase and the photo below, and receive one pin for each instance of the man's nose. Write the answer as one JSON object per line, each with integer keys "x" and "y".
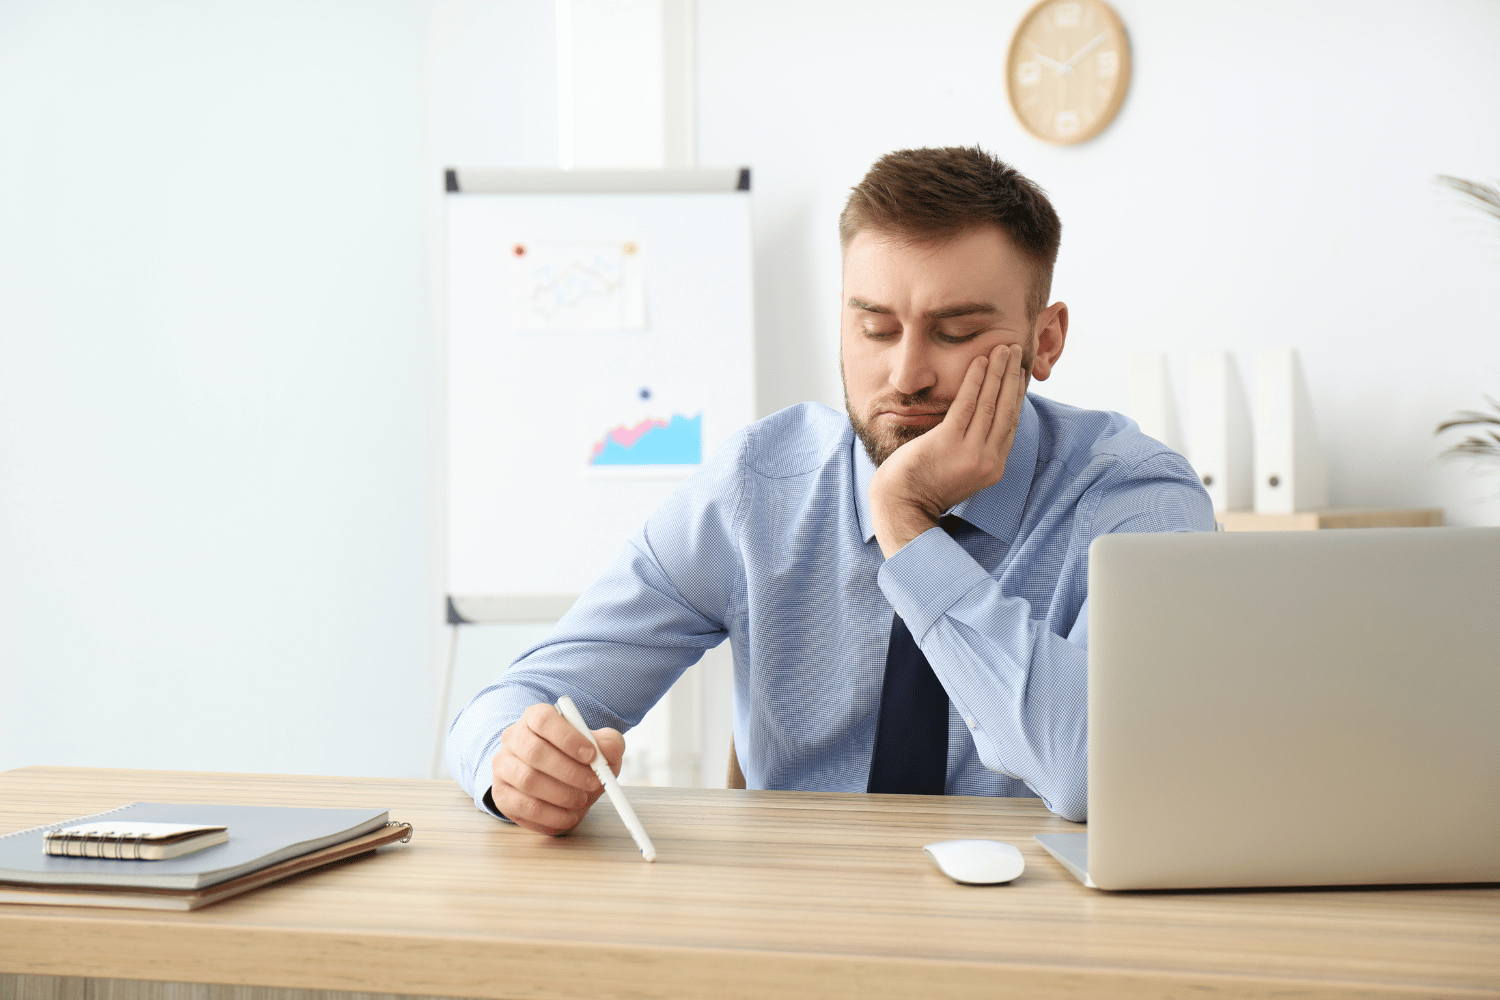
{"x": 911, "y": 365}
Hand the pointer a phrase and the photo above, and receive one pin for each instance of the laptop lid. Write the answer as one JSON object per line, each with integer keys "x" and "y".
{"x": 1294, "y": 708}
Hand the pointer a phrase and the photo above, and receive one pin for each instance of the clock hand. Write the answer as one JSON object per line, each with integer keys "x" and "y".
{"x": 1061, "y": 67}
{"x": 1091, "y": 46}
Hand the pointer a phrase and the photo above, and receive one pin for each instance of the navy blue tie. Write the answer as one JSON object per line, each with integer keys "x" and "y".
{"x": 911, "y": 739}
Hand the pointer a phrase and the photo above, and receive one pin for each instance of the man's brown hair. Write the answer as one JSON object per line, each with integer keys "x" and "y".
{"x": 931, "y": 195}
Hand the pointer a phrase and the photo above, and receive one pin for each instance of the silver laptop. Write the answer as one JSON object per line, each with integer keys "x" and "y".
{"x": 1292, "y": 708}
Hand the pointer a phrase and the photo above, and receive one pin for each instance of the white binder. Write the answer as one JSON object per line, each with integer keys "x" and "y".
{"x": 1291, "y": 471}
{"x": 1219, "y": 440}
{"x": 1152, "y": 404}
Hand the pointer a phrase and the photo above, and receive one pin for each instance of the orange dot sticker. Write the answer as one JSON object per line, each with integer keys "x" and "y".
{"x": 629, "y": 249}
{"x": 519, "y": 250}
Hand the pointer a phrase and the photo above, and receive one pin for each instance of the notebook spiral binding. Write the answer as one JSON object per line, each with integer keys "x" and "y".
{"x": 67, "y": 840}
{"x": 406, "y": 839}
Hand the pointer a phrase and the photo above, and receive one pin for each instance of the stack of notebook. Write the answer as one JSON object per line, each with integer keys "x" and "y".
{"x": 120, "y": 859}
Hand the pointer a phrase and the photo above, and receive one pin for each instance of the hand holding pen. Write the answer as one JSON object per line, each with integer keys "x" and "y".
{"x": 542, "y": 779}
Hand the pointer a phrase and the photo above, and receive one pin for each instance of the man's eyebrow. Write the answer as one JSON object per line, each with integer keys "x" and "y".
{"x": 951, "y": 312}
{"x": 964, "y": 309}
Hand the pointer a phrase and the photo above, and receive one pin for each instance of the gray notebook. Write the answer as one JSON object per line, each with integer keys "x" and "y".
{"x": 258, "y": 836}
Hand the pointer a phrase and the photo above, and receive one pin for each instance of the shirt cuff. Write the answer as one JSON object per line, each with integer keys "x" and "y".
{"x": 485, "y": 780}
{"x": 927, "y": 577}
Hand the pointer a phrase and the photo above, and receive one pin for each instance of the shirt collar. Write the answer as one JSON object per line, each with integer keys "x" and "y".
{"x": 995, "y": 510}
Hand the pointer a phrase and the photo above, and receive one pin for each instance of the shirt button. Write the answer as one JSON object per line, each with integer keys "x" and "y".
{"x": 972, "y": 724}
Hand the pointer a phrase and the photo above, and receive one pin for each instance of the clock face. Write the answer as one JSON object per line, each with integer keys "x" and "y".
{"x": 1068, "y": 69}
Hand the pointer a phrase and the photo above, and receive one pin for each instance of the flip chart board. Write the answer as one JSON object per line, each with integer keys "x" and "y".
{"x": 598, "y": 350}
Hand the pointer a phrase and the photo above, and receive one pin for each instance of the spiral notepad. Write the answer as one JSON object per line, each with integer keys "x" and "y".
{"x": 132, "y": 841}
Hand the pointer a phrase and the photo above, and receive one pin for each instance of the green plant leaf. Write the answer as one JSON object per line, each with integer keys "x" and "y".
{"x": 1474, "y": 446}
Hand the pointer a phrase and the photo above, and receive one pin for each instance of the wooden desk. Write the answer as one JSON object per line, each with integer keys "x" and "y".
{"x": 755, "y": 895}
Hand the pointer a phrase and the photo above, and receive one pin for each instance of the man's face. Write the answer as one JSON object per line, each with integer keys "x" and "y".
{"x": 915, "y": 316}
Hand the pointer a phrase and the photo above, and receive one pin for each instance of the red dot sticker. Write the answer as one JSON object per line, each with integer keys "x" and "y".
{"x": 519, "y": 249}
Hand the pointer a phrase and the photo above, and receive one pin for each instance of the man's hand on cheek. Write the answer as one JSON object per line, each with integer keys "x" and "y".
{"x": 957, "y": 458}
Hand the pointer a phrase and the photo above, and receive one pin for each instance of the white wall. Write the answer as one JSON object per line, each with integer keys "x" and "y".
{"x": 1269, "y": 182}
{"x": 215, "y": 347}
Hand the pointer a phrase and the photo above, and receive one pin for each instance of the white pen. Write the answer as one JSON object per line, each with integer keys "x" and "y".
{"x": 612, "y": 789}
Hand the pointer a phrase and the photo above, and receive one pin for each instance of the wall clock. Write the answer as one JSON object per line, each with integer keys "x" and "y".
{"x": 1068, "y": 69}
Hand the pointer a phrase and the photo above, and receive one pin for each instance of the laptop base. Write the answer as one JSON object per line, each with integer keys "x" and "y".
{"x": 1072, "y": 849}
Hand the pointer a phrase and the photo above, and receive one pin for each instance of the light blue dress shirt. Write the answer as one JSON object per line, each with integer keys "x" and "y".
{"x": 771, "y": 545}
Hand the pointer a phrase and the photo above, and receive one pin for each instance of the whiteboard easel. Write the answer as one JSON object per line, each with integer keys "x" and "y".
{"x": 599, "y": 346}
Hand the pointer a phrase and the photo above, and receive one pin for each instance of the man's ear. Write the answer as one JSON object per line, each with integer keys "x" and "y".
{"x": 1051, "y": 332}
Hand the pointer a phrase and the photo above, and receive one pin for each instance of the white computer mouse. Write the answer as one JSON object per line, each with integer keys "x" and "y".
{"x": 976, "y": 862}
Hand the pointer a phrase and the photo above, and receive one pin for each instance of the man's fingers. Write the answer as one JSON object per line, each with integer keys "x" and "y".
{"x": 547, "y": 722}
{"x": 516, "y": 773}
{"x": 553, "y": 746}
{"x": 961, "y": 411}
{"x": 989, "y": 394}
{"x": 612, "y": 742}
{"x": 531, "y": 813}
{"x": 534, "y": 772}
{"x": 540, "y": 780}
{"x": 1008, "y": 404}
{"x": 538, "y": 828}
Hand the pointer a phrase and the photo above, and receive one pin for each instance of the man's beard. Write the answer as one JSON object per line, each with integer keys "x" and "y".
{"x": 880, "y": 442}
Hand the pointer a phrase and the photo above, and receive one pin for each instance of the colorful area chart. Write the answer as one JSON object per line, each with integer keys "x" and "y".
{"x": 678, "y": 441}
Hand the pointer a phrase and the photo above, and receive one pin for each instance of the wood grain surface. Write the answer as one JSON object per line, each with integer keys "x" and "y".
{"x": 754, "y": 894}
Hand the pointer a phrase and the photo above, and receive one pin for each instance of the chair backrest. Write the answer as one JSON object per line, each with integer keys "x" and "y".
{"x": 736, "y": 777}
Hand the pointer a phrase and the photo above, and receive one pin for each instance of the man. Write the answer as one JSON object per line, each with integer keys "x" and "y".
{"x": 947, "y": 496}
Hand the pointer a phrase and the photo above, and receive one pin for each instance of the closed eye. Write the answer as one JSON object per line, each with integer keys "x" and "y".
{"x": 955, "y": 338}
{"x": 961, "y": 332}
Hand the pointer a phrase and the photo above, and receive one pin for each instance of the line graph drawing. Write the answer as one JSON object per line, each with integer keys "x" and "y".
{"x": 569, "y": 289}
{"x": 577, "y": 287}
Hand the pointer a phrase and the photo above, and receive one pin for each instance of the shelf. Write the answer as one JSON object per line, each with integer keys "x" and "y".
{"x": 1332, "y": 517}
